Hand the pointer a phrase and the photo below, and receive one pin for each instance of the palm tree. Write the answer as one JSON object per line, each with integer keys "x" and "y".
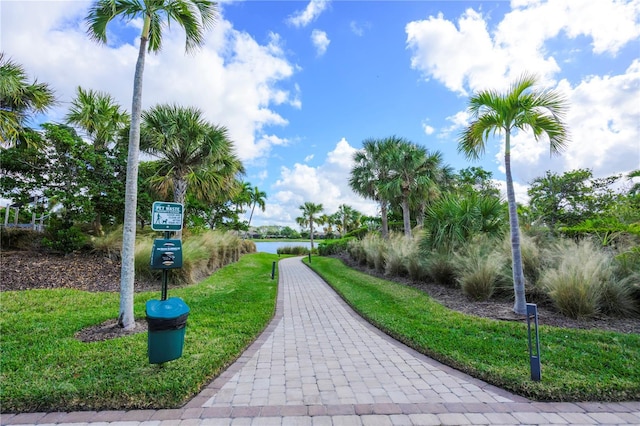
{"x": 256, "y": 197}
{"x": 194, "y": 16}
{"x": 521, "y": 108}
{"x": 19, "y": 100}
{"x": 344, "y": 215}
{"x": 411, "y": 171}
{"x": 440, "y": 176}
{"x": 370, "y": 171}
{"x": 191, "y": 151}
{"x": 102, "y": 119}
{"x": 97, "y": 114}
{"x": 310, "y": 213}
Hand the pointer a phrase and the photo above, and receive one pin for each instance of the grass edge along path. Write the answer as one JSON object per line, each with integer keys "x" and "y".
{"x": 44, "y": 368}
{"x": 577, "y": 365}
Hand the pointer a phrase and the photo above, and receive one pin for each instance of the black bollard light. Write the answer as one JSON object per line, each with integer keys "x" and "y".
{"x": 534, "y": 358}
{"x": 273, "y": 270}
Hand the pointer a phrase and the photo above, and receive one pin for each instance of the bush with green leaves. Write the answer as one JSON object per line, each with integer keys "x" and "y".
{"x": 333, "y": 247}
{"x": 293, "y": 250}
{"x": 64, "y": 238}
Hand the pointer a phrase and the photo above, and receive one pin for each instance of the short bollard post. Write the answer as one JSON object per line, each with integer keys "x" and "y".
{"x": 309, "y": 257}
{"x": 534, "y": 358}
{"x": 273, "y": 270}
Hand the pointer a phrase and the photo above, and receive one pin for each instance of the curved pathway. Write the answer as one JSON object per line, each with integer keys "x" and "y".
{"x": 319, "y": 363}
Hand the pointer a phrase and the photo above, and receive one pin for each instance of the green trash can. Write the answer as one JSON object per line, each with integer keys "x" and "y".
{"x": 166, "y": 321}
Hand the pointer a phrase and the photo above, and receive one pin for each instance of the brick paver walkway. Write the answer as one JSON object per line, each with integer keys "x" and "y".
{"x": 319, "y": 363}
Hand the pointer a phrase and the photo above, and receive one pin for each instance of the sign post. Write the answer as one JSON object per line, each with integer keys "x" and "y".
{"x": 166, "y": 253}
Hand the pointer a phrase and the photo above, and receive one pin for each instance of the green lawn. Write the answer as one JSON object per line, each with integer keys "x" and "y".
{"x": 44, "y": 368}
{"x": 577, "y": 365}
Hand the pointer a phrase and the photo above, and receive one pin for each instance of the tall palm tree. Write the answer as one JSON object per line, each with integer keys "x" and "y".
{"x": 411, "y": 172}
{"x": 370, "y": 172}
{"x": 19, "y": 100}
{"x": 98, "y": 115}
{"x": 256, "y": 198}
{"x": 102, "y": 119}
{"x": 310, "y": 212}
{"x": 191, "y": 151}
{"x": 521, "y": 108}
{"x": 344, "y": 215}
{"x": 194, "y": 16}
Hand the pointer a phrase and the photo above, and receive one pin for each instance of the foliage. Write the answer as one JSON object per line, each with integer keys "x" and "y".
{"x": 494, "y": 351}
{"x": 20, "y": 100}
{"x": 581, "y": 283}
{"x": 293, "y": 250}
{"x": 478, "y": 268}
{"x": 455, "y": 219}
{"x": 64, "y": 238}
{"x": 228, "y": 311}
{"x": 333, "y": 247}
{"x": 571, "y": 198}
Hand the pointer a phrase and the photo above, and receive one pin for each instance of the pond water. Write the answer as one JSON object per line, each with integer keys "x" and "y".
{"x": 272, "y": 246}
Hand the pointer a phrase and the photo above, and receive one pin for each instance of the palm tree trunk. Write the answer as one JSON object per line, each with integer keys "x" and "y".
{"x": 384, "y": 219}
{"x": 520, "y": 305}
{"x": 179, "y": 195}
{"x": 253, "y": 207}
{"x": 126, "y": 317}
{"x": 311, "y": 232}
{"x": 406, "y": 216}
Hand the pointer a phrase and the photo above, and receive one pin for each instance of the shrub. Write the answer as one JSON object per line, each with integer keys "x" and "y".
{"x": 577, "y": 284}
{"x": 440, "y": 267}
{"x": 294, "y": 250}
{"x": 398, "y": 249}
{"x": 65, "y": 240}
{"x": 19, "y": 239}
{"x": 618, "y": 296}
{"x": 374, "y": 248}
{"x": 357, "y": 252}
{"x": 110, "y": 245}
{"x": 478, "y": 269}
{"x": 532, "y": 265}
{"x": 332, "y": 247}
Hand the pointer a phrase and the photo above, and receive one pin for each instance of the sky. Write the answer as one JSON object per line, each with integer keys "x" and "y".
{"x": 301, "y": 84}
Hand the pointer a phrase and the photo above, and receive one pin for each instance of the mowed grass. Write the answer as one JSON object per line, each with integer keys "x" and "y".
{"x": 577, "y": 365}
{"x": 45, "y": 368}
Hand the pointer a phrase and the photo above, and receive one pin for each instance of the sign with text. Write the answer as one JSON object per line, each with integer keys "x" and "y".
{"x": 166, "y": 254}
{"x": 166, "y": 216}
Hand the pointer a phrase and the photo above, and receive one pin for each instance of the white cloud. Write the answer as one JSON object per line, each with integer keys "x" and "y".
{"x": 326, "y": 184}
{"x": 309, "y": 14}
{"x": 428, "y": 130}
{"x": 359, "y": 28}
{"x": 467, "y": 55}
{"x": 233, "y": 79}
{"x": 308, "y": 158}
{"x": 320, "y": 41}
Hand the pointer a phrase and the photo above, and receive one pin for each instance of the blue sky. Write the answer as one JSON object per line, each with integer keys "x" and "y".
{"x": 300, "y": 84}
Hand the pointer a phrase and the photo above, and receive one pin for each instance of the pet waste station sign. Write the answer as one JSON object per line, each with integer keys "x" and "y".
{"x": 166, "y": 216}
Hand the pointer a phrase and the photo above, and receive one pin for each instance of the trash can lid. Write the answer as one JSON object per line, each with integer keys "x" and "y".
{"x": 170, "y": 308}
